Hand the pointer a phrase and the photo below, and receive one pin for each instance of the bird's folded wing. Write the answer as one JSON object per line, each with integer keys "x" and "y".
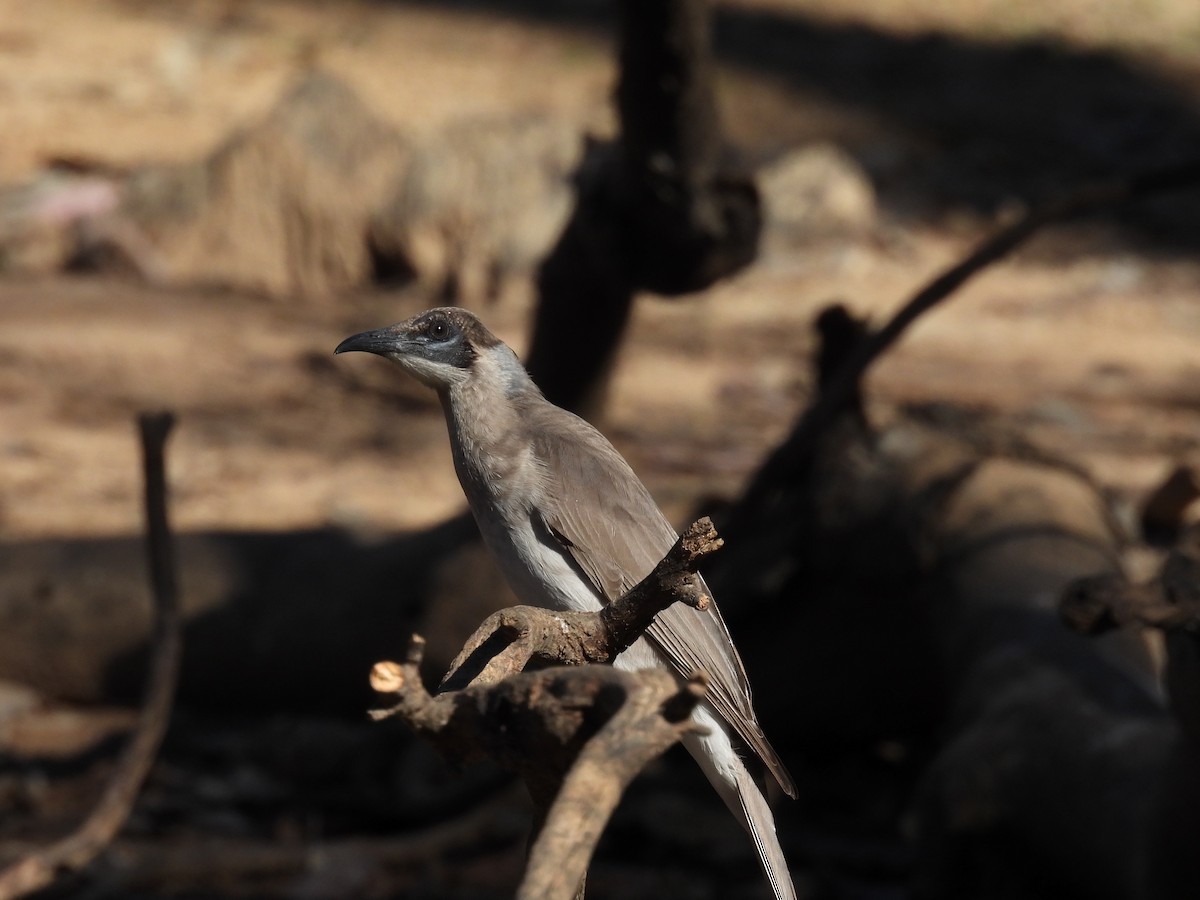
{"x": 614, "y": 531}
{"x": 685, "y": 636}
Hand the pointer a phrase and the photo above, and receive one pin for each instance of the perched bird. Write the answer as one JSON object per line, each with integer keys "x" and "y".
{"x": 573, "y": 528}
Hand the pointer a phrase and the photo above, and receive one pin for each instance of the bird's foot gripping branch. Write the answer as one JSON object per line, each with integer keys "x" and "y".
{"x": 577, "y": 733}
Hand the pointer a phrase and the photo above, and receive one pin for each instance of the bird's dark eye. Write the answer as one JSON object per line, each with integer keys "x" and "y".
{"x": 439, "y": 330}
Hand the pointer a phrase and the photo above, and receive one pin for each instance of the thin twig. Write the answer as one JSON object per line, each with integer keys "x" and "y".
{"x": 78, "y": 849}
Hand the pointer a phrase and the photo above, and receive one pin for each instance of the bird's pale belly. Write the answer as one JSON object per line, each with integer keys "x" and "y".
{"x": 541, "y": 574}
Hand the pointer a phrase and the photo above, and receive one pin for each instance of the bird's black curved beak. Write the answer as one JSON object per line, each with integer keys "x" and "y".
{"x": 379, "y": 341}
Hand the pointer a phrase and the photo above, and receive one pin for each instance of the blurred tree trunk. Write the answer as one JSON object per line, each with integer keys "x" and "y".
{"x": 661, "y": 210}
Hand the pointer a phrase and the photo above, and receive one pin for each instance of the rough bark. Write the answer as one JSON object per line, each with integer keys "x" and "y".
{"x": 577, "y": 735}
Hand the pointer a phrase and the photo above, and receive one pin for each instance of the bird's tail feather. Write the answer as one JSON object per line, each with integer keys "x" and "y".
{"x": 713, "y": 749}
{"x": 760, "y": 823}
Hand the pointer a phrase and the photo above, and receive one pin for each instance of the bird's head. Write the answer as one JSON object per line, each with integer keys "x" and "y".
{"x": 439, "y": 347}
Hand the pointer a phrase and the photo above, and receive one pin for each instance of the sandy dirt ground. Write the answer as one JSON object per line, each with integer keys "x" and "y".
{"x": 1092, "y": 352}
{"x": 1096, "y": 359}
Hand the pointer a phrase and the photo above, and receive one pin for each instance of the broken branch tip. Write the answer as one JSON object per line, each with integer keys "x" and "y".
{"x": 387, "y": 677}
{"x": 416, "y": 650}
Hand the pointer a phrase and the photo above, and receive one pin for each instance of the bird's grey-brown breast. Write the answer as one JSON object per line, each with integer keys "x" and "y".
{"x": 505, "y": 482}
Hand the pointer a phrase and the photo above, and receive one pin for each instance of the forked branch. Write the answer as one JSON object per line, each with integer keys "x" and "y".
{"x": 577, "y": 735}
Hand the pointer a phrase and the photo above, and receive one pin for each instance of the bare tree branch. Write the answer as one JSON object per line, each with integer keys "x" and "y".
{"x": 77, "y": 850}
{"x": 841, "y": 388}
{"x": 653, "y": 717}
{"x": 1164, "y": 512}
{"x": 1170, "y": 601}
{"x": 576, "y": 735}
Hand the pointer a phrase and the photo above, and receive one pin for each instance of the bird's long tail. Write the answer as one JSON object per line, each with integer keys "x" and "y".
{"x": 741, "y": 792}
{"x": 760, "y": 823}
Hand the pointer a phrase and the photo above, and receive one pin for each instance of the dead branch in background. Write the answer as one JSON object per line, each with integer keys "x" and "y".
{"x": 1050, "y": 750}
{"x": 661, "y": 210}
{"x": 842, "y": 387}
{"x": 1057, "y": 772}
{"x": 1163, "y": 513}
{"x": 78, "y": 849}
{"x": 1169, "y": 602}
{"x": 577, "y": 735}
